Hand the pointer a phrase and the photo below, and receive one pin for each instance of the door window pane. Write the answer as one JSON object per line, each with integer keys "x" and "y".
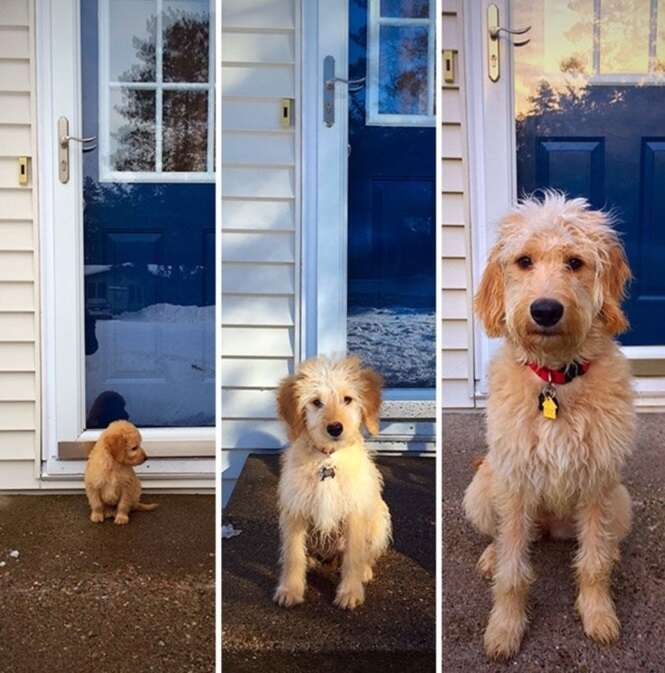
{"x": 133, "y": 25}
{"x": 403, "y": 70}
{"x": 185, "y": 128}
{"x": 409, "y": 9}
{"x": 156, "y": 72}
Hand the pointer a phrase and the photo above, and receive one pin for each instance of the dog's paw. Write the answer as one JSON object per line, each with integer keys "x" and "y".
{"x": 350, "y": 595}
{"x": 368, "y": 574}
{"x": 601, "y": 626}
{"x": 486, "y": 562}
{"x": 97, "y": 517}
{"x": 121, "y": 519}
{"x": 287, "y": 597}
{"x": 503, "y": 636}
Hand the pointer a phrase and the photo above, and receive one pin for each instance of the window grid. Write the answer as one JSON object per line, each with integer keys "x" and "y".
{"x": 106, "y": 172}
{"x": 375, "y": 22}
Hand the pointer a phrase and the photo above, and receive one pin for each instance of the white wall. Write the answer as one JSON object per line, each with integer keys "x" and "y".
{"x": 457, "y": 314}
{"x": 19, "y": 282}
{"x": 260, "y": 223}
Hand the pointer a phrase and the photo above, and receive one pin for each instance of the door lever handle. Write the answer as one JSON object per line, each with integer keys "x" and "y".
{"x": 329, "y": 81}
{"x": 63, "y": 148}
{"x": 495, "y": 31}
{"x": 64, "y": 140}
{"x": 355, "y": 83}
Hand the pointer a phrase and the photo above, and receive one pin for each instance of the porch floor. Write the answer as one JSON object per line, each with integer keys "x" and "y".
{"x": 554, "y": 639}
{"x": 392, "y": 631}
{"x": 87, "y": 597}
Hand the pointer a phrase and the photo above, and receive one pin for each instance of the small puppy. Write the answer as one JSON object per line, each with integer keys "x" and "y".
{"x": 330, "y": 490}
{"x": 112, "y": 487}
{"x": 560, "y": 417}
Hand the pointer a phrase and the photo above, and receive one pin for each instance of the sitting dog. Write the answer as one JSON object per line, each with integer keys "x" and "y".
{"x": 112, "y": 487}
{"x": 329, "y": 489}
{"x": 560, "y": 417}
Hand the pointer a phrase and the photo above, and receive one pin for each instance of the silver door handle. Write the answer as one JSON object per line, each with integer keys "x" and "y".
{"x": 353, "y": 84}
{"x": 63, "y": 148}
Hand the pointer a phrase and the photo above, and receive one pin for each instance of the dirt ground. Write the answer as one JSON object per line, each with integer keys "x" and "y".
{"x": 78, "y": 597}
{"x": 392, "y": 631}
{"x": 554, "y": 640}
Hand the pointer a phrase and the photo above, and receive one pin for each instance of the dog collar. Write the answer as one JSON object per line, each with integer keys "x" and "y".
{"x": 560, "y": 376}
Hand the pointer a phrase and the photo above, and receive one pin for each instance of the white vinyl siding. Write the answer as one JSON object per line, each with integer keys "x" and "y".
{"x": 19, "y": 290}
{"x": 260, "y": 224}
{"x": 456, "y": 303}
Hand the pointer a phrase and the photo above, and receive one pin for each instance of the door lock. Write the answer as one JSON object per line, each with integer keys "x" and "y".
{"x": 63, "y": 148}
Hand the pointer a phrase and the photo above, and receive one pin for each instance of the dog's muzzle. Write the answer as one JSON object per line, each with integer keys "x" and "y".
{"x": 546, "y": 312}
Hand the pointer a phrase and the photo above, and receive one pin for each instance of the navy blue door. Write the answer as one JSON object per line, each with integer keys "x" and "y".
{"x": 589, "y": 101}
{"x": 391, "y": 228}
{"x": 148, "y": 194}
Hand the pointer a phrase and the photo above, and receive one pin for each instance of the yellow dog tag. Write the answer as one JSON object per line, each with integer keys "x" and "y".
{"x": 549, "y": 408}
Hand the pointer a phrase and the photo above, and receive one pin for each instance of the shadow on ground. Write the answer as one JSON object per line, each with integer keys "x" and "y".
{"x": 393, "y": 631}
{"x": 555, "y": 641}
{"x": 88, "y": 597}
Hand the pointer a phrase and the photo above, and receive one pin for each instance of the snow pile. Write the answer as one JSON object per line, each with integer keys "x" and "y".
{"x": 398, "y": 342}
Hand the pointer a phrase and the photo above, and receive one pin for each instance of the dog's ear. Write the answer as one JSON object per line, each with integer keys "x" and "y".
{"x": 116, "y": 441}
{"x": 614, "y": 279}
{"x": 288, "y": 406}
{"x": 371, "y": 384}
{"x": 489, "y": 300}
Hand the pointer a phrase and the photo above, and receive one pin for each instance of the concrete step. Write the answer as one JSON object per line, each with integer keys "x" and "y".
{"x": 98, "y": 597}
{"x": 554, "y": 640}
{"x": 392, "y": 631}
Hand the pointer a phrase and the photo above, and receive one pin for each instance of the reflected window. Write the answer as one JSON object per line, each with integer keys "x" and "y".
{"x": 400, "y": 64}
{"x": 156, "y": 91}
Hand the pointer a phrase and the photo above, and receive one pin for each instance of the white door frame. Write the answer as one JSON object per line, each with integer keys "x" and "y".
{"x": 324, "y": 156}
{"x": 493, "y": 165}
{"x": 61, "y": 255}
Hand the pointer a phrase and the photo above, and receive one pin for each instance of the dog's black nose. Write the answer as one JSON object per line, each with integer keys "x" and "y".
{"x": 334, "y": 429}
{"x": 546, "y": 312}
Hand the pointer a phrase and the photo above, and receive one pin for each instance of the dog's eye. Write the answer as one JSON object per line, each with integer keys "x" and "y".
{"x": 348, "y": 400}
{"x": 574, "y": 263}
{"x": 317, "y": 403}
{"x": 524, "y": 262}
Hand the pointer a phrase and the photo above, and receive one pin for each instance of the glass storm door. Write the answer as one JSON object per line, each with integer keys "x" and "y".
{"x": 589, "y": 95}
{"x": 148, "y": 211}
{"x": 391, "y": 189}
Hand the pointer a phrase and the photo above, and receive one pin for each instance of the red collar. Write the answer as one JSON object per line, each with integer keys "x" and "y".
{"x": 560, "y": 376}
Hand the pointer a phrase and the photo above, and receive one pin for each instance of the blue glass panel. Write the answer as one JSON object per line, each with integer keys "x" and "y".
{"x": 403, "y": 64}
{"x": 391, "y": 236}
{"x": 148, "y": 251}
{"x": 409, "y": 9}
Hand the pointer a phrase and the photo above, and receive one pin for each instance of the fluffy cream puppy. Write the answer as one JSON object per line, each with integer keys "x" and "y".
{"x": 112, "y": 487}
{"x": 330, "y": 490}
{"x": 560, "y": 417}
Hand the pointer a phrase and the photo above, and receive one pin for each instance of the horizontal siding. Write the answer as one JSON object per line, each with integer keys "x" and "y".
{"x": 456, "y": 328}
{"x": 19, "y": 347}
{"x": 260, "y": 228}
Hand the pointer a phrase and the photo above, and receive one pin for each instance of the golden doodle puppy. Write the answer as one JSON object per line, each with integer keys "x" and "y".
{"x": 560, "y": 417}
{"x": 330, "y": 489}
{"x": 112, "y": 487}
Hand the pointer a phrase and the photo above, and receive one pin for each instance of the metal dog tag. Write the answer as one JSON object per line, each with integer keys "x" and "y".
{"x": 548, "y": 403}
{"x": 326, "y": 471}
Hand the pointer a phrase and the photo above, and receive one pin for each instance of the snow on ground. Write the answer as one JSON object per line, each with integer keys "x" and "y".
{"x": 161, "y": 360}
{"x": 398, "y": 342}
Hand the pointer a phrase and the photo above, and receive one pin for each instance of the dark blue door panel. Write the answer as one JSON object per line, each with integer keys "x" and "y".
{"x": 391, "y": 230}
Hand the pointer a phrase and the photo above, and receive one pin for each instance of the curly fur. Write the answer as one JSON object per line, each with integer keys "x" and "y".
{"x": 561, "y": 476}
{"x": 341, "y": 516}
